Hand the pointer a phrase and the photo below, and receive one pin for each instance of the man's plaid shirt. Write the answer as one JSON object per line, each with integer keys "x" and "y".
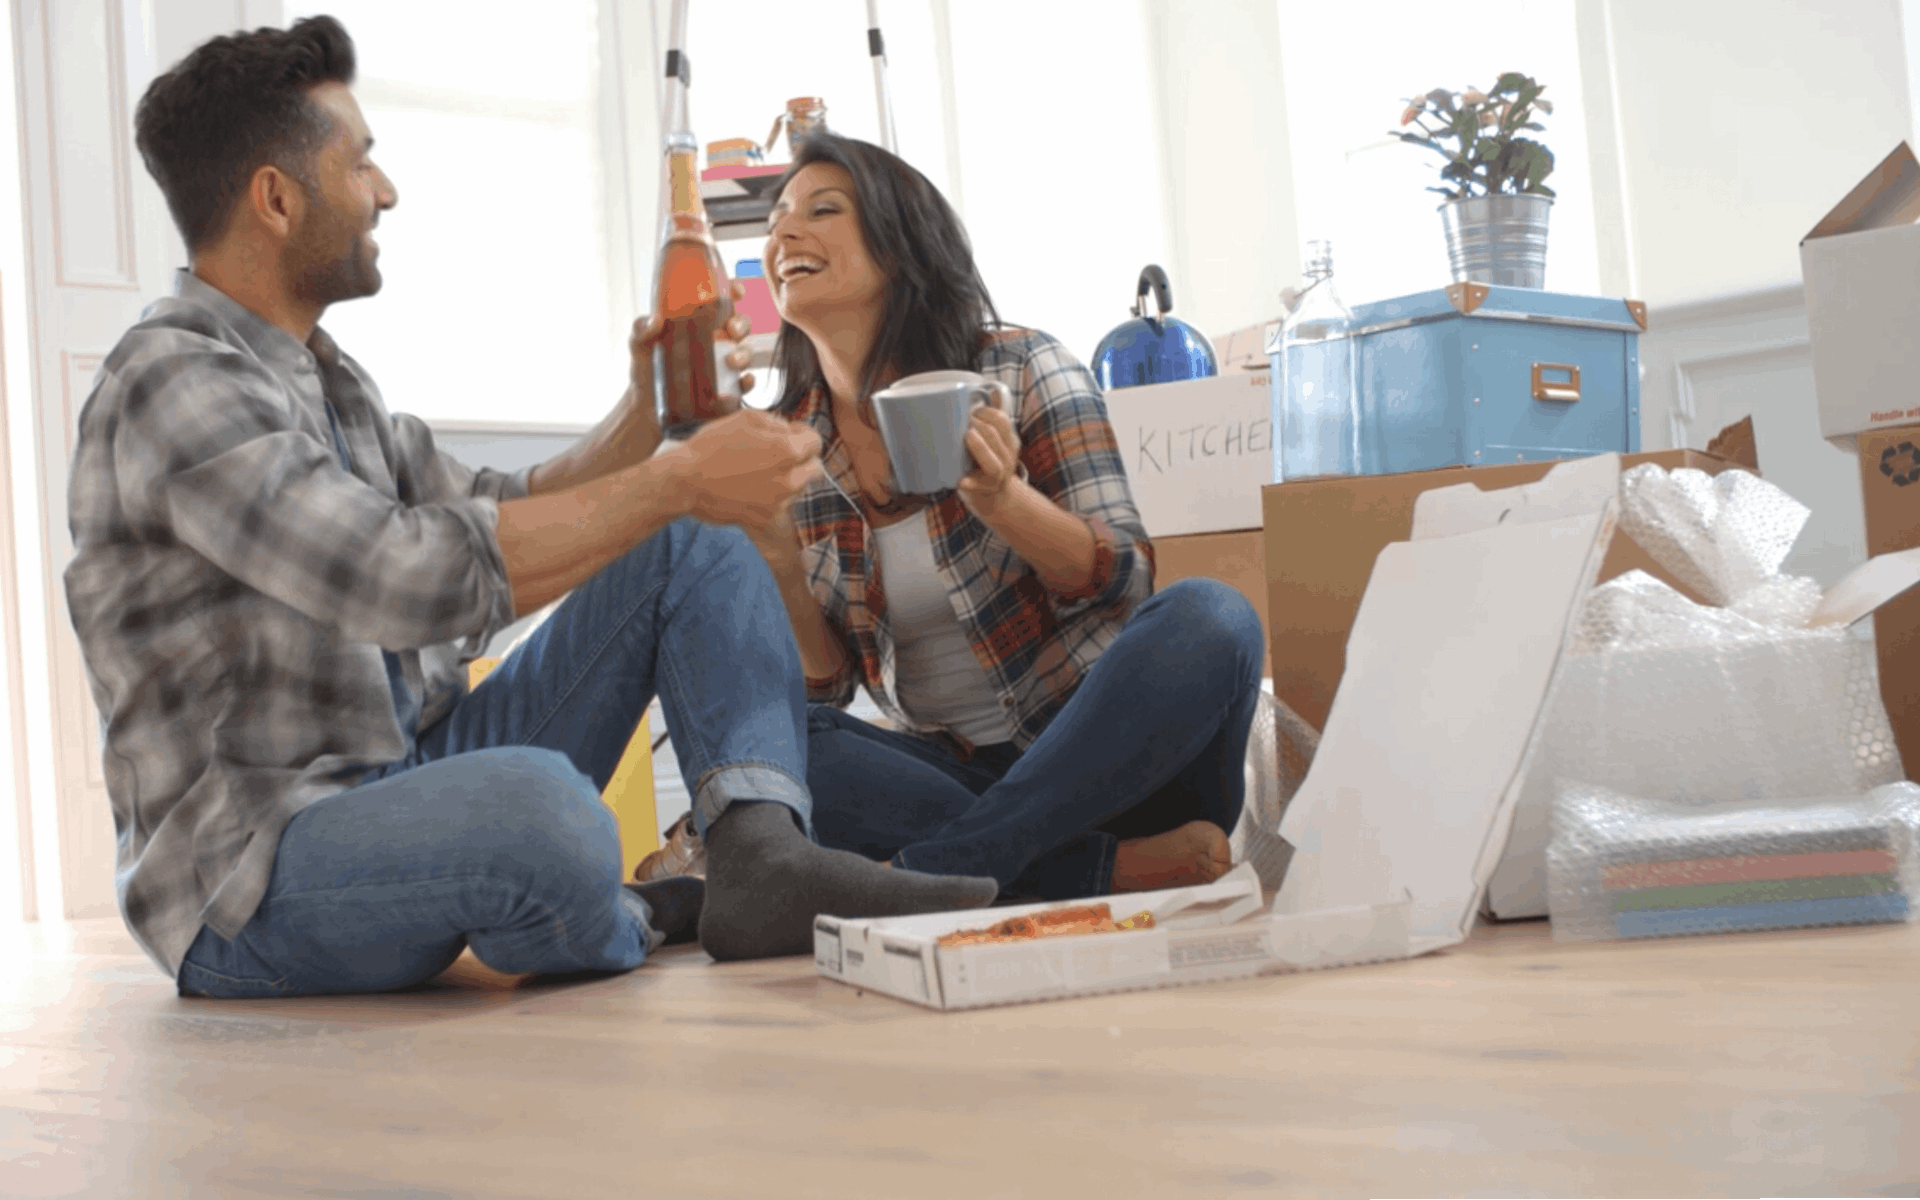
{"x": 1036, "y": 645}
{"x": 233, "y": 586}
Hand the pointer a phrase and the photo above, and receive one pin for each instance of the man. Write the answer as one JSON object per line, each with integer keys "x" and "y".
{"x": 276, "y": 586}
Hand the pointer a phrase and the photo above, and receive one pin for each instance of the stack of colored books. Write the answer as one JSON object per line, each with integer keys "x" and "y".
{"x": 1754, "y": 891}
{"x": 733, "y": 152}
{"x": 1627, "y": 867}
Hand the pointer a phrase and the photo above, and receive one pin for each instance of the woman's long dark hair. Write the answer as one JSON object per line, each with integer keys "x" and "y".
{"x": 937, "y": 312}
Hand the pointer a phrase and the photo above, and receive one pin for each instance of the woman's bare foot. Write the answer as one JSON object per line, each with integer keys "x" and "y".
{"x": 1197, "y": 852}
{"x": 469, "y": 972}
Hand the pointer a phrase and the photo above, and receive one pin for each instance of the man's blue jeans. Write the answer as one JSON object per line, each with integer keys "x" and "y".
{"x": 1155, "y": 736}
{"x": 492, "y": 832}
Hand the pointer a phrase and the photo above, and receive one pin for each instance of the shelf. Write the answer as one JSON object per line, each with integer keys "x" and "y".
{"x": 738, "y": 200}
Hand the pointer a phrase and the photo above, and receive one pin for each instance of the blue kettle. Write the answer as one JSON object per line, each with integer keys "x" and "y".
{"x": 1160, "y": 349}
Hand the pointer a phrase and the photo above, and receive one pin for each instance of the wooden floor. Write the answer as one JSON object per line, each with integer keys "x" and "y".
{"x": 1761, "y": 1064}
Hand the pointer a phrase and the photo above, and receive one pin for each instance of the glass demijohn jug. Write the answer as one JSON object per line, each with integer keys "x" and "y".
{"x": 1316, "y": 430}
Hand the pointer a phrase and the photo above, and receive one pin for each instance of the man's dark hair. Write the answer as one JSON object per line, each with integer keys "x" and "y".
{"x": 937, "y": 311}
{"x": 234, "y": 105}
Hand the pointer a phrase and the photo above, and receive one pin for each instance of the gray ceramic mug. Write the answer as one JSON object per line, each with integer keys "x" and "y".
{"x": 923, "y": 421}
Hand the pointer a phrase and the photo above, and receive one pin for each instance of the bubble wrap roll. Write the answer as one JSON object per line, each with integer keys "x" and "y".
{"x": 1689, "y": 703}
{"x": 1280, "y": 748}
{"x": 1625, "y": 867}
{"x": 1665, "y": 698}
{"x": 1720, "y": 535}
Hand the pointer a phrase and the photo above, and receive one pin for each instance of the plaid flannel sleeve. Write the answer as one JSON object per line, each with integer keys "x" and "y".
{"x": 821, "y": 533}
{"x": 438, "y": 477}
{"x": 822, "y": 573}
{"x": 210, "y": 451}
{"x": 1072, "y": 456}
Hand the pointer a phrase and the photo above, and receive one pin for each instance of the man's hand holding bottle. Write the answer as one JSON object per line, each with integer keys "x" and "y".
{"x": 742, "y": 469}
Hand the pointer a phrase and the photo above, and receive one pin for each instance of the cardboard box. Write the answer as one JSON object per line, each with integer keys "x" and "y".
{"x": 1890, "y": 487}
{"x": 1236, "y": 558}
{"x": 1322, "y": 536}
{"x": 1197, "y": 452}
{"x": 1400, "y": 820}
{"x": 1861, "y": 265}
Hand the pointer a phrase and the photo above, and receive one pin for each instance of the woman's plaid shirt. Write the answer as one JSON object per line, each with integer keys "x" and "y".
{"x": 1035, "y": 644}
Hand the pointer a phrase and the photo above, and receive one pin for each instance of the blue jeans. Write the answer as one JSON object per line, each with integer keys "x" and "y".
{"x": 1155, "y": 736}
{"x": 492, "y": 832}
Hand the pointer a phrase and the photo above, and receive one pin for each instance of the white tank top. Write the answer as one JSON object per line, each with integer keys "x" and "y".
{"x": 939, "y": 680}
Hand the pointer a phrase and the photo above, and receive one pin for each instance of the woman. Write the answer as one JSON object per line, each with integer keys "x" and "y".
{"x": 1055, "y": 727}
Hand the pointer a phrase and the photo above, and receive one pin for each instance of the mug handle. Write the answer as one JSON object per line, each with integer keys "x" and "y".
{"x": 1001, "y": 396}
{"x": 992, "y": 391}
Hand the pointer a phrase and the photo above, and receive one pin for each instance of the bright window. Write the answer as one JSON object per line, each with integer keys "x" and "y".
{"x": 1061, "y": 174}
{"x": 1365, "y": 190}
{"x": 502, "y": 303}
{"x": 496, "y": 305}
{"x": 1060, "y": 249}
{"x": 751, "y": 56}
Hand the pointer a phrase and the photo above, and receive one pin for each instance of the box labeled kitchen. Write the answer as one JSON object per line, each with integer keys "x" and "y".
{"x": 1197, "y": 452}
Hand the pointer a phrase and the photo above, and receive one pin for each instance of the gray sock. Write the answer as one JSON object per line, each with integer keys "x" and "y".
{"x": 766, "y": 882}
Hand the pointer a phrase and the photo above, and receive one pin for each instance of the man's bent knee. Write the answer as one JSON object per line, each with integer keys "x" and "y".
{"x": 537, "y": 795}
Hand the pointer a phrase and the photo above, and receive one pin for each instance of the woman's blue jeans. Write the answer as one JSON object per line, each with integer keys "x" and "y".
{"x": 1154, "y": 737}
{"x": 492, "y": 832}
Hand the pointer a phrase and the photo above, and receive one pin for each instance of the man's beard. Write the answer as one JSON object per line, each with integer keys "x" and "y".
{"x": 321, "y": 275}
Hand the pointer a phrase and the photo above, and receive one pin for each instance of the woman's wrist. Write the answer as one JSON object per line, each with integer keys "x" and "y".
{"x": 1060, "y": 545}
{"x": 1014, "y": 506}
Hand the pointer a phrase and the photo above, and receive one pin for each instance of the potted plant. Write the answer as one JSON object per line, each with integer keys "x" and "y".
{"x": 1497, "y": 203}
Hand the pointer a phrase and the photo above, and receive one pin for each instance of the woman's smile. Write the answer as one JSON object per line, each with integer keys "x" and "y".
{"x": 815, "y": 246}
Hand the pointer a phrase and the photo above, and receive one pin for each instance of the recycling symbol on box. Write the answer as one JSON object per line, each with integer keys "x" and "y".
{"x": 1901, "y": 464}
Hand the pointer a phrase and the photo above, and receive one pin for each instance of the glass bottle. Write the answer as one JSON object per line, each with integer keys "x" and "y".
{"x": 804, "y": 117}
{"x": 1317, "y": 428}
{"x": 691, "y": 299}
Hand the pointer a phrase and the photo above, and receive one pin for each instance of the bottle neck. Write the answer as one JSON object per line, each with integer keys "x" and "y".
{"x": 683, "y": 183}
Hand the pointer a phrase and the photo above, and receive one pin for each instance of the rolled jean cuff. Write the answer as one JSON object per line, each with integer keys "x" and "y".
{"x": 1083, "y": 867}
{"x": 723, "y": 785}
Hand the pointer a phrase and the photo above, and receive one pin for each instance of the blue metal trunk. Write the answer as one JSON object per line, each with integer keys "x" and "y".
{"x": 1475, "y": 374}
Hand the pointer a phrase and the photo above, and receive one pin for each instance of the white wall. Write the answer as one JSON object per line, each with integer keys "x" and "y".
{"x": 1910, "y": 27}
{"x": 1736, "y": 125}
{"x": 1226, "y": 166}
{"x": 1054, "y": 123}
{"x": 1740, "y": 123}
{"x": 19, "y": 508}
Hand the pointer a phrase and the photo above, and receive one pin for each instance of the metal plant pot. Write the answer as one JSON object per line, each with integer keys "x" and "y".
{"x": 1498, "y": 239}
